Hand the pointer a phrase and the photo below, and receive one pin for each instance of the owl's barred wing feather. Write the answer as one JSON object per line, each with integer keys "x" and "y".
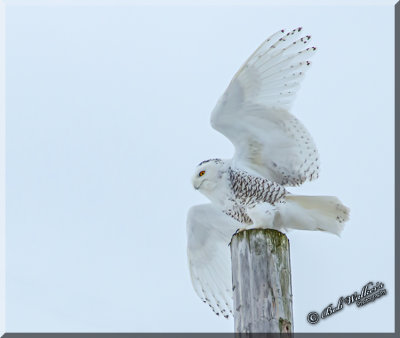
{"x": 209, "y": 232}
{"x": 254, "y": 112}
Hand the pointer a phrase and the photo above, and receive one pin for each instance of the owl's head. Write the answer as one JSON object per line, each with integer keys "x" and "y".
{"x": 207, "y": 175}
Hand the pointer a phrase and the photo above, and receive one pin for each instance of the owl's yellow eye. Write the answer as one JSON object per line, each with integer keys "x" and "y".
{"x": 201, "y": 173}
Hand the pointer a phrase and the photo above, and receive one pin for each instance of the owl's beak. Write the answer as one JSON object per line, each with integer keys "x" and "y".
{"x": 195, "y": 183}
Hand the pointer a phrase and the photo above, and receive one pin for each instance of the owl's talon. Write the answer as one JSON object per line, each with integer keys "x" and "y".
{"x": 230, "y": 242}
{"x": 236, "y": 232}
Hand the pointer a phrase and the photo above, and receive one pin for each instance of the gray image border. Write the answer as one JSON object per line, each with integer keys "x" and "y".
{"x": 298, "y": 335}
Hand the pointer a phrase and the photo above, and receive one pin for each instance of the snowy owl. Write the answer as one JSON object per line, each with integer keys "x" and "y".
{"x": 273, "y": 151}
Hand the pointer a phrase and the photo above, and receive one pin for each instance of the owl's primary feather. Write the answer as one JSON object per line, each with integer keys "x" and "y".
{"x": 254, "y": 112}
{"x": 273, "y": 150}
{"x": 208, "y": 233}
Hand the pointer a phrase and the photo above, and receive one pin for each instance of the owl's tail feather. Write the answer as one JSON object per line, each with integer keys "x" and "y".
{"x": 324, "y": 213}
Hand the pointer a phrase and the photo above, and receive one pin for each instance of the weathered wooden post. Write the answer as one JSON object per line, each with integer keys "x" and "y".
{"x": 261, "y": 279}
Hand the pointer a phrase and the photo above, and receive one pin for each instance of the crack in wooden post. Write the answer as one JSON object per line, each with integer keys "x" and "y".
{"x": 261, "y": 280}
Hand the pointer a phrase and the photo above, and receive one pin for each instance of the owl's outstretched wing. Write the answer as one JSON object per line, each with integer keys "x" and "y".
{"x": 254, "y": 112}
{"x": 209, "y": 232}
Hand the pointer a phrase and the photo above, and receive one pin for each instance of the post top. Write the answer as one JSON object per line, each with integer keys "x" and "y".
{"x": 251, "y": 232}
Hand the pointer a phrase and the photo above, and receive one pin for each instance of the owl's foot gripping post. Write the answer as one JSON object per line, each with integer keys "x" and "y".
{"x": 235, "y": 233}
{"x": 250, "y": 227}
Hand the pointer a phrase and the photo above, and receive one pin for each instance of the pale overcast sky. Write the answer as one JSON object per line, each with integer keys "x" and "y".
{"x": 107, "y": 115}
